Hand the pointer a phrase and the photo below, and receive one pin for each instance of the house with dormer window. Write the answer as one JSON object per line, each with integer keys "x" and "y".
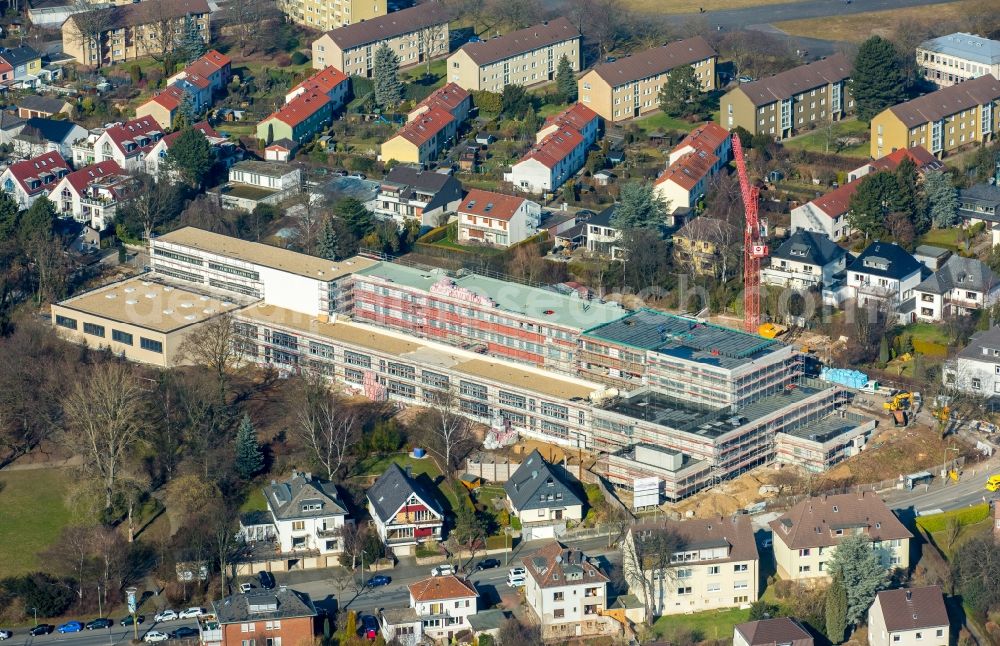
{"x": 806, "y": 536}
{"x": 976, "y": 369}
{"x": 714, "y": 564}
{"x": 91, "y": 195}
{"x": 961, "y": 286}
{"x": 807, "y": 259}
{"x": 304, "y": 518}
{"x": 567, "y": 592}
{"x": 125, "y": 143}
{"x": 886, "y": 272}
{"x": 27, "y": 180}
{"x": 405, "y": 512}
{"x": 544, "y": 497}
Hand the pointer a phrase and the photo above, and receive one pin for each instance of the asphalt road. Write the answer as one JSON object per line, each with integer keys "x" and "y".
{"x": 118, "y": 635}
{"x": 764, "y": 14}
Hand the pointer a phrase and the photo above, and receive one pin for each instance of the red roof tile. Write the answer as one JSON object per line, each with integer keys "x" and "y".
{"x": 440, "y": 588}
{"x": 130, "y": 130}
{"x": 555, "y": 147}
{"x": 708, "y": 137}
{"x": 80, "y": 179}
{"x": 577, "y": 115}
{"x": 490, "y": 204}
{"x": 300, "y": 108}
{"x": 837, "y": 202}
{"x": 917, "y": 154}
{"x": 426, "y": 126}
{"x": 323, "y": 81}
{"x": 197, "y": 80}
{"x": 216, "y": 58}
{"x": 448, "y": 97}
{"x": 36, "y": 167}
{"x": 690, "y": 169}
{"x": 169, "y": 98}
{"x": 201, "y": 127}
{"x": 550, "y": 565}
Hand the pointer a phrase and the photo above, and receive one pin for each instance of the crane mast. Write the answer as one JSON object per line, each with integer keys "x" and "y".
{"x": 753, "y": 247}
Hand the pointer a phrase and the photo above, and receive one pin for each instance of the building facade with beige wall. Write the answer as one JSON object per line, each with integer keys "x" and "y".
{"x": 135, "y": 30}
{"x": 948, "y": 60}
{"x": 525, "y": 57}
{"x": 941, "y": 121}
{"x": 145, "y": 319}
{"x": 415, "y": 35}
{"x": 787, "y": 103}
{"x": 629, "y": 87}
{"x": 330, "y": 14}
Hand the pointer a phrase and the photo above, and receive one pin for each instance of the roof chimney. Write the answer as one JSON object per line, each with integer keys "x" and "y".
{"x": 909, "y": 596}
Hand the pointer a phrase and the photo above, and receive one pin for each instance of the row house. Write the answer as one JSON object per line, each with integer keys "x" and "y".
{"x": 421, "y": 141}
{"x": 789, "y": 102}
{"x": 684, "y": 184}
{"x": 961, "y": 286}
{"x": 497, "y": 219}
{"x": 411, "y": 193}
{"x": 942, "y": 121}
{"x": 567, "y": 592}
{"x": 328, "y": 81}
{"x": 416, "y": 34}
{"x": 405, "y": 512}
{"x": 26, "y": 181}
{"x": 298, "y": 120}
{"x": 91, "y": 195}
{"x": 451, "y": 98}
{"x": 550, "y": 162}
{"x": 127, "y": 144}
{"x": 524, "y": 57}
{"x": 330, "y": 14}
{"x": 629, "y": 86}
{"x": 956, "y": 58}
{"x": 214, "y": 67}
{"x": 576, "y": 117}
{"x": 25, "y": 64}
{"x": 198, "y": 83}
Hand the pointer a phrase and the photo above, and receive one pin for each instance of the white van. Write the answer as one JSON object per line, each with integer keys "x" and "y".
{"x": 515, "y": 577}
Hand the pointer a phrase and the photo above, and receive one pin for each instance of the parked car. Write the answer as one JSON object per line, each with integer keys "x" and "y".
{"x": 164, "y": 615}
{"x": 184, "y": 632}
{"x": 266, "y": 579}
{"x": 358, "y": 176}
{"x": 70, "y": 627}
{"x": 155, "y": 636}
{"x": 191, "y": 613}
{"x": 41, "y": 629}
{"x": 5, "y": 634}
{"x": 487, "y": 564}
{"x": 99, "y": 624}
{"x": 369, "y": 627}
{"x": 379, "y": 580}
{"x": 127, "y": 620}
{"x": 443, "y": 570}
{"x": 515, "y": 577}
{"x": 246, "y": 587}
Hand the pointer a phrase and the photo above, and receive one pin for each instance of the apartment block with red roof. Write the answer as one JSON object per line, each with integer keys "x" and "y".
{"x": 550, "y": 162}
{"x": 577, "y": 116}
{"x": 299, "y": 120}
{"x": 497, "y": 219}
{"x": 330, "y": 81}
{"x": 421, "y": 140}
{"x": 28, "y": 180}
{"x": 126, "y": 143}
{"x": 91, "y": 195}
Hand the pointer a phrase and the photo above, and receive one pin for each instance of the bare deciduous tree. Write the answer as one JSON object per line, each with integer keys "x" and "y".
{"x": 328, "y": 426}
{"x": 105, "y": 418}
{"x": 646, "y": 553}
{"x": 217, "y": 346}
{"x": 248, "y": 21}
{"x": 450, "y": 430}
{"x": 90, "y": 24}
{"x": 149, "y": 201}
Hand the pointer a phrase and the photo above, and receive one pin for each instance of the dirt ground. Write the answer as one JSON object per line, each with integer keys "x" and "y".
{"x": 733, "y": 495}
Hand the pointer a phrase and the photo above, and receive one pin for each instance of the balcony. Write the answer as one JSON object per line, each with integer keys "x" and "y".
{"x": 328, "y": 533}
{"x": 786, "y": 277}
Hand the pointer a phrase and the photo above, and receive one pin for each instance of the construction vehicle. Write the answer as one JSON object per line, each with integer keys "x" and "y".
{"x": 899, "y": 418}
{"x": 993, "y": 484}
{"x": 899, "y": 401}
{"x": 771, "y": 330}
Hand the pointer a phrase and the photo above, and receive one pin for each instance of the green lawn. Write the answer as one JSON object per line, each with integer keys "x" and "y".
{"x": 254, "y": 502}
{"x": 703, "y": 626}
{"x": 823, "y": 140}
{"x": 946, "y": 238}
{"x": 660, "y": 121}
{"x": 32, "y": 513}
{"x": 928, "y": 332}
{"x": 378, "y": 465}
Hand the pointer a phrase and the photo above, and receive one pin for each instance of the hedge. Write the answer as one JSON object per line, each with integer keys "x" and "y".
{"x": 965, "y": 516}
{"x": 930, "y": 348}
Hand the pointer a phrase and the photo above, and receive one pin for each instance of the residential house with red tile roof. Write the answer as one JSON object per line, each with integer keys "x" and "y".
{"x": 224, "y": 150}
{"x": 686, "y": 180}
{"x": 163, "y": 107}
{"x": 91, "y": 195}
{"x": 443, "y": 604}
{"x": 27, "y": 180}
{"x": 550, "y": 162}
{"x": 127, "y": 143}
{"x": 708, "y": 137}
{"x": 577, "y": 116}
{"x": 298, "y": 120}
{"x": 451, "y": 98}
{"x": 921, "y": 158}
{"x": 567, "y": 592}
{"x": 201, "y": 81}
{"x": 330, "y": 81}
{"x": 421, "y": 140}
{"x": 497, "y": 219}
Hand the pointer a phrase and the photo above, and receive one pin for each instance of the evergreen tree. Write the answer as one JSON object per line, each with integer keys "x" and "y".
{"x": 36, "y": 222}
{"x": 878, "y": 80}
{"x": 514, "y": 101}
{"x": 942, "y": 199}
{"x": 530, "y": 124}
{"x": 680, "y": 95}
{"x": 191, "y": 156}
{"x": 871, "y": 202}
{"x": 354, "y": 214}
{"x": 187, "y": 113}
{"x": 883, "y": 351}
{"x": 191, "y": 45}
{"x": 566, "y": 80}
{"x": 388, "y": 88}
{"x": 638, "y": 207}
{"x": 249, "y": 457}
{"x": 861, "y": 573}
{"x": 8, "y": 216}
{"x": 836, "y": 612}
{"x": 908, "y": 198}
{"x": 328, "y": 244}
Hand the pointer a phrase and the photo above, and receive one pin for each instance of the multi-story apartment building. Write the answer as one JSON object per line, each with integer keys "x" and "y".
{"x": 524, "y": 57}
{"x": 503, "y": 319}
{"x": 415, "y": 35}
{"x": 408, "y": 193}
{"x": 805, "y": 260}
{"x": 909, "y": 617}
{"x": 91, "y": 194}
{"x": 961, "y": 286}
{"x": 497, "y": 219}
{"x": 280, "y": 277}
{"x": 443, "y": 604}
{"x": 132, "y": 31}
{"x": 805, "y": 537}
{"x": 324, "y": 15}
{"x": 713, "y": 564}
{"x": 941, "y": 121}
{"x": 703, "y": 245}
{"x": 976, "y": 369}
{"x": 786, "y": 103}
{"x": 259, "y": 618}
{"x": 404, "y": 512}
{"x": 421, "y": 140}
{"x": 299, "y": 120}
{"x": 567, "y": 592}
{"x": 26, "y": 181}
{"x": 630, "y": 86}
{"x": 128, "y": 144}
{"x": 958, "y": 57}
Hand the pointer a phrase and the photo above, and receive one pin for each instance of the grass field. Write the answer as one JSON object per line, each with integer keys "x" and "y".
{"x": 255, "y": 501}
{"x": 822, "y": 141}
{"x": 702, "y": 626}
{"x": 680, "y": 6}
{"x": 32, "y": 513}
{"x": 947, "y": 238}
{"x": 858, "y": 27}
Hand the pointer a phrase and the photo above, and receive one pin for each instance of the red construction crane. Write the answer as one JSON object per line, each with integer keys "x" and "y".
{"x": 753, "y": 247}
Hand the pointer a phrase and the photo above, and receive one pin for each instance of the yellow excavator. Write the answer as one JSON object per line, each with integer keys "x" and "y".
{"x": 771, "y": 330}
{"x": 899, "y": 401}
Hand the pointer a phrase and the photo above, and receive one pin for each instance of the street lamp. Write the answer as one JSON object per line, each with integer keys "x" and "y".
{"x": 35, "y": 610}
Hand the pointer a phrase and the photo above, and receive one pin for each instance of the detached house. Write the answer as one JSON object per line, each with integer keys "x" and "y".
{"x": 409, "y": 193}
{"x": 961, "y": 286}
{"x": 27, "y": 180}
{"x": 544, "y": 497}
{"x": 885, "y": 271}
{"x": 806, "y": 536}
{"x": 298, "y": 120}
{"x": 41, "y": 135}
{"x": 421, "y": 141}
{"x": 305, "y": 518}
{"x": 806, "y": 260}
{"x": 827, "y": 214}
{"x": 91, "y": 195}
{"x": 909, "y": 617}
{"x": 443, "y": 606}
{"x": 497, "y": 219}
{"x": 260, "y": 618}
{"x": 715, "y": 565}
{"x": 567, "y": 592}
{"x": 976, "y": 368}
{"x": 404, "y": 512}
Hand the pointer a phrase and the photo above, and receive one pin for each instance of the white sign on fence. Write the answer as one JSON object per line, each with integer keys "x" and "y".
{"x": 646, "y": 492}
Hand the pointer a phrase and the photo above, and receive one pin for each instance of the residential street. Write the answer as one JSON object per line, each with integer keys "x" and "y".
{"x": 118, "y": 634}
{"x": 753, "y": 16}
